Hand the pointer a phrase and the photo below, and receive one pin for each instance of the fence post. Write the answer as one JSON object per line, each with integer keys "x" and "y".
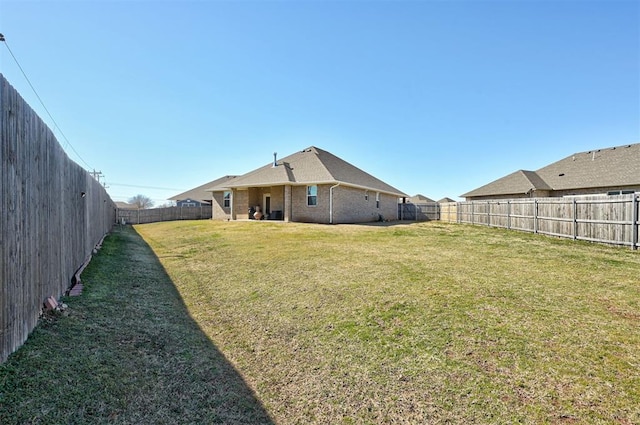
{"x": 488, "y": 213}
{"x": 635, "y": 199}
{"x": 472, "y": 216}
{"x": 458, "y": 213}
{"x": 575, "y": 219}
{"x": 509, "y": 215}
{"x": 535, "y": 216}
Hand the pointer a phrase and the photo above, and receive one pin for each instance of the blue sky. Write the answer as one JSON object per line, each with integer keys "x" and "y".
{"x": 433, "y": 97}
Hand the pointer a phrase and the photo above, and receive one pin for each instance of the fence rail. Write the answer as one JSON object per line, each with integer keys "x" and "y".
{"x": 605, "y": 219}
{"x": 53, "y": 213}
{"x": 153, "y": 215}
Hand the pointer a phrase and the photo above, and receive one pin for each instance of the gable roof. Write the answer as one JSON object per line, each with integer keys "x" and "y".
{"x": 518, "y": 182}
{"x": 610, "y": 167}
{"x": 201, "y": 193}
{"x": 125, "y": 205}
{"x": 419, "y": 198}
{"x": 445, "y": 200}
{"x": 310, "y": 166}
{"x": 616, "y": 166}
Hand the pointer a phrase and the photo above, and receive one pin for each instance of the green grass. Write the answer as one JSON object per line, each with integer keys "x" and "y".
{"x": 125, "y": 352}
{"x": 422, "y": 323}
{"x": 416, "y": 323}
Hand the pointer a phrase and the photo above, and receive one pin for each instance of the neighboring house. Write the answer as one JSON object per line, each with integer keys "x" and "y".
{"x": 446, "y": 200}
{"x": 312, "y": 185}
{"x": 419, "y": 199}
{"x": 610, "y": 171}
{"x": 198, "y": 196}
{"x": 125, "y": 206}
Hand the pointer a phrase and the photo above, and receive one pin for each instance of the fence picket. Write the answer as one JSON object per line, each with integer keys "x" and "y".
{"x": 48, "y": 228}
{"x": 605, "y": 219}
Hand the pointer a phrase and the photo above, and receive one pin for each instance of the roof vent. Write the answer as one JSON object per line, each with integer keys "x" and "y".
{"x": 275, "y": 159}
{"x": 561, "y": 174}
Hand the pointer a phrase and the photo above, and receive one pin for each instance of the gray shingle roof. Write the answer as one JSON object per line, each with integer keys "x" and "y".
{"x": 416, "y": 199}
{"x": 125, "y": 205}
{"x": 519, "y": 182}
{"x": 610, "y": 167}
{"x": 617, "y": 166}
{"x": 311, "y": 166}
{"x": 201, "y": 193}
{"x": 445, "y": 200}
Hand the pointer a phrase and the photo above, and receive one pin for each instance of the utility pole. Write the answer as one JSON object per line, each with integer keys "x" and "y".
{"x": 96, "y": 174}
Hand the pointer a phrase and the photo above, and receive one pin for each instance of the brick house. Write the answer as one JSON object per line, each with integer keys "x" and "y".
{"x": 198, "y": 196}
{"x": 312, "y": 186}
{"x": 610, "y": 171}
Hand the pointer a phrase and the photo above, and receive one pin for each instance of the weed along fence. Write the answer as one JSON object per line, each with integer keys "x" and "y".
{"x": 53, "y": 215}
{"x": 152, "y": 215}
{"x": 605, "y": 219}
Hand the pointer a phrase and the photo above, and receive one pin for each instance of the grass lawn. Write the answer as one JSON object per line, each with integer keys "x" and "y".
{"x": 418, "y": 323}
{"x": 297, "y": 323}
{"x": 125, "y": 352}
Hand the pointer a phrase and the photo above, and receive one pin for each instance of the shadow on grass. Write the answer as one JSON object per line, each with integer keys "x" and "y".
{"x": 126, "y": 351}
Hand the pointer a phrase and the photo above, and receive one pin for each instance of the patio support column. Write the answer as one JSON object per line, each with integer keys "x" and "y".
{"x": 231, "y": 204}
{"x": 287, "y": 203}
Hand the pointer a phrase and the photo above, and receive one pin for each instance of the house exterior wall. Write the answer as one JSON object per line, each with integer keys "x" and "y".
{"x": 301, "y": 212}
{"x": 254, "y": 199}
{"x": 276, "y": 193}
{"x": 240, "y": 204}
{"x": 218, "y": 212}
{"x": 595, "y": 191}
{"x": 350, "y": 205}
{"x": 243, "y": 199}
{"x": 287, "y": 203}
{"x": 353, "y": 205}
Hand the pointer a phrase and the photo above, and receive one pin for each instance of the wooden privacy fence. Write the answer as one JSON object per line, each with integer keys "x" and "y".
{"x": 449, "y": 211}
{"x": 419, "y": 212}
{"x": 53, "y": 215}
{"x": 152, "y": 215}
{"x": 605, "y": 219}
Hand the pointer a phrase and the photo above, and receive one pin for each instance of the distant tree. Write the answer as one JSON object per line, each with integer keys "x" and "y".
{"x": 141, "y": 201}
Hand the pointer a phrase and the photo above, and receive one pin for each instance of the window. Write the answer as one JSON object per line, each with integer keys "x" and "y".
{"x": 377, "y": 199}
{"x": 312, "y": 195}
{"x": 227, "y": 199}
{"x": 620, "y": 192}
{"x": 366, "y": 195}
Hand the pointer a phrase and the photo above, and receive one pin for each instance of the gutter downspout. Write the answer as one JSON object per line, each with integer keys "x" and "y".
{"x": 331, "y": 202}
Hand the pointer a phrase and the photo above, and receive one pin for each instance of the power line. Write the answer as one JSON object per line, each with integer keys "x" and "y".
{"x": 96, "y": 175}
{"x": 68, "y": 143}
{"x": 145, "y": 187}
